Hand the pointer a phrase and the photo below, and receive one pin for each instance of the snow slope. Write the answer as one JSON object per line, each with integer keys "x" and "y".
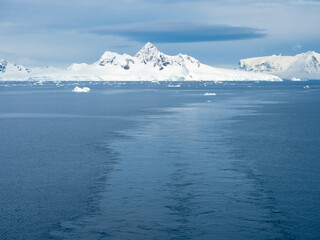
{"x": 10, "y": 70}
{"x": 304, "y": 65}
{"x": 149, "y": 64}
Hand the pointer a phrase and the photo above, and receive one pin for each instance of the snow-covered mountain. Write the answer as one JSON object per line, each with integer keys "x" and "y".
{"x": 148, "y": 64}
{"x": 9, "y": 69}
{"x": 304, "y": 65}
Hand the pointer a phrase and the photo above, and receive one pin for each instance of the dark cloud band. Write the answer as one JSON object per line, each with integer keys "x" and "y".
{"x": 179, "y": 32}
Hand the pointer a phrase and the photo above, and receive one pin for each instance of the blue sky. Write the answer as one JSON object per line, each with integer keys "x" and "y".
{"x": 219, "y": 33}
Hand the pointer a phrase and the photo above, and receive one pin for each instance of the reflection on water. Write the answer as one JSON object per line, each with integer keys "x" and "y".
{"x": 148, "y": 162}
{"x": 176, "y": 178}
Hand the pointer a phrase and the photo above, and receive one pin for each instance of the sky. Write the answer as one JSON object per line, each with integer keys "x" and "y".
{"x": 219, "y": 33}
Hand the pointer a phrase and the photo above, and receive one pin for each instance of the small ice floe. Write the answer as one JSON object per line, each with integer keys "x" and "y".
{"x": 306, "y": 87}
{"x": 80, "y": 90}
{"x": 294, "y": 79}
{"x": 40, "y": 82}
{"x": 210, "y": 94}
{"x": 209, "y": 101}
{"x": 155, "y": 81}
{"x": 178, "y": 85}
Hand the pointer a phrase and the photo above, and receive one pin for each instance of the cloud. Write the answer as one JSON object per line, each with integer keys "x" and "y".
{"x": 60, "y": 32}
{"x": 296, "y": 47}
{"x": 181, "y": 32}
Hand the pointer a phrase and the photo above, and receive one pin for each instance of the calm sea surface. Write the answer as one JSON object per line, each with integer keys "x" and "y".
{"x": 160, "y": 161}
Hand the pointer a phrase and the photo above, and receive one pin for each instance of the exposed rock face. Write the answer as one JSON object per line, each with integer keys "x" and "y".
{"x": 6, "y": 66}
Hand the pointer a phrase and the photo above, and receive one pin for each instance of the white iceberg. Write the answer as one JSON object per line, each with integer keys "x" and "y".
{"x": 81, "y": 90}
{"x": 210, "y": 94}
{"x": 294, "y": 79}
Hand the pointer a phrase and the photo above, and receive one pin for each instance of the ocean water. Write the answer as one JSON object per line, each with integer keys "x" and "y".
{"x": 160, "y": 161}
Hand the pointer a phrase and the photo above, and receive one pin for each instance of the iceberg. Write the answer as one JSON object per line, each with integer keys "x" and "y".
{"x": 210, "y": 94}
{"x": 174, "y": 86}
{"x": 294, "y": 79}
{"x": 81, "y": 90}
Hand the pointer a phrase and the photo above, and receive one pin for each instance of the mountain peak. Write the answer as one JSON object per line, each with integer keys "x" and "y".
{"x": 311, "y": 53}
{"x": 148, "y": 51}
{"x": 149, "y": 45}
{"x": 108, "y": 55}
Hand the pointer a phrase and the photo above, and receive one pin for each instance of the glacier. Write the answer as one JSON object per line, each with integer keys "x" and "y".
{"x": 304, "y": 66}
{"x": 148, "y": 64}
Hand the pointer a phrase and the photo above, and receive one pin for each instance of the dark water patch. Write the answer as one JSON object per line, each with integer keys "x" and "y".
{"x": 280, "y": 152}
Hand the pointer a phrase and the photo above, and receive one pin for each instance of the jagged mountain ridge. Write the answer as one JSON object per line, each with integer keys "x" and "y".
{"x": 151, "y": 64}
{"x": 147, "y": 64}
{"x": 6, "y": 66}
{"x": 150, "y": 54}
{"x": 304, "y": 65}
{"x": 148, "y": 57}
